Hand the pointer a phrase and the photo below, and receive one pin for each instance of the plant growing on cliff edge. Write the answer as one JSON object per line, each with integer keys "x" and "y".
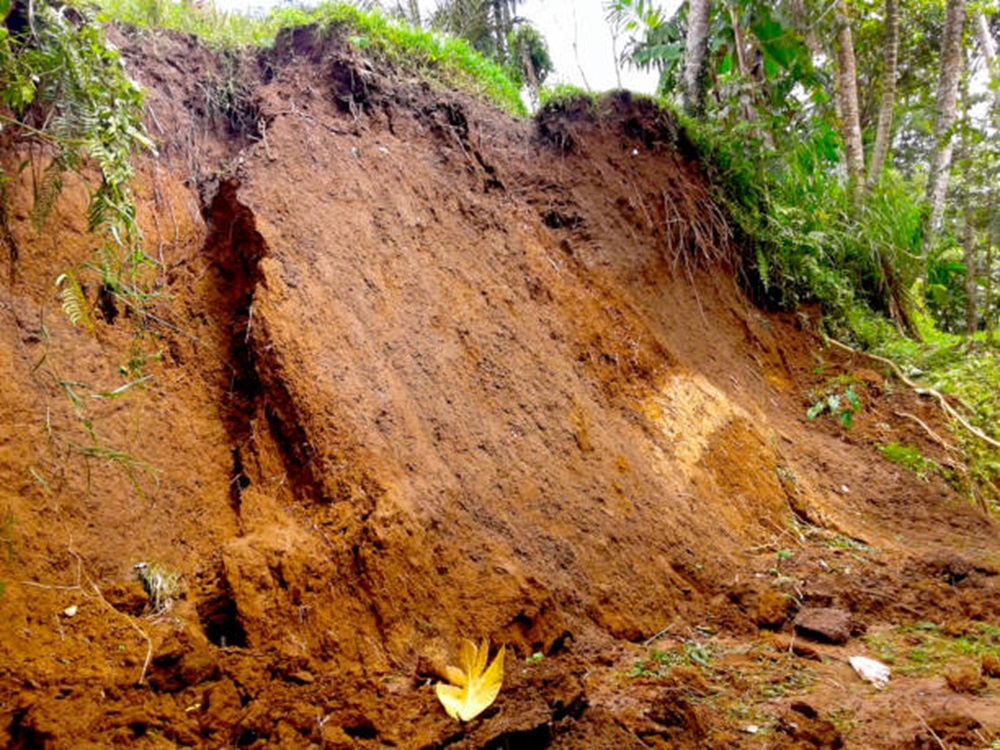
{"x": 64, "y": 89}
{"x": 474, "y": 686}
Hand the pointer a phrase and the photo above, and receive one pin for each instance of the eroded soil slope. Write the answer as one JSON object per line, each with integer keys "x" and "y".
{"x": 417, "y": 372}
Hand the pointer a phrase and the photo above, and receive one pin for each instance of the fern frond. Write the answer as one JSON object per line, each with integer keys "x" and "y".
{"x": 74, "y": 301}
{"x": 46, "y": 192}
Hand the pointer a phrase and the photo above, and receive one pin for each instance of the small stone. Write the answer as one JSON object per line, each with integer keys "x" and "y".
{"x": 70, "y": 611}
{"x": 301, "y": 677}
{"x": 824, "y": 624}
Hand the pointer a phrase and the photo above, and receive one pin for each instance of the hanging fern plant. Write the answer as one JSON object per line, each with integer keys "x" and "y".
{"x": 62, "y": 85}
{"x": 74, "y": 301}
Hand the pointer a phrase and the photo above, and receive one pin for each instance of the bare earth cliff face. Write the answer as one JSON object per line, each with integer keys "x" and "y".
{"x": 421, "y": 372}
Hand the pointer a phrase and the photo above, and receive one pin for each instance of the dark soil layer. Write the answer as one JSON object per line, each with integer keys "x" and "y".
{"x": 420, "y": 372}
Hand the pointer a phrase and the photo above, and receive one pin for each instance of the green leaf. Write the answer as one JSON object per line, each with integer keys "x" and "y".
{"x": 852, "y": 398}
{"x": 816, "y": 409}
{"x": 847, "y": 418}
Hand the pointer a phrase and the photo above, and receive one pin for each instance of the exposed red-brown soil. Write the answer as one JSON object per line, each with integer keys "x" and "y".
{"x": 420, "y": 372}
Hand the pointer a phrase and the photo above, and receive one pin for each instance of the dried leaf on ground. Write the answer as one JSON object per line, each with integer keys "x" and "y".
{"x": 474, "y": 686}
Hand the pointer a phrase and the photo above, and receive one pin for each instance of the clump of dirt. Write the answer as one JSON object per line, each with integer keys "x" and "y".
{"x": 417, "y": 372}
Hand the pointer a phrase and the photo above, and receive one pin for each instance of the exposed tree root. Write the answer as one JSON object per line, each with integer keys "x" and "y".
{"x": 921, "y": 391}
{"x": 930, "y": 433}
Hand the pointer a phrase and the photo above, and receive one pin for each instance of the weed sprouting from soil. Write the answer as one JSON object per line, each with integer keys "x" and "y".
{"x": 726, "y": 674}
{"x": 841, "y": 405}
{"x": 161, "y": 584}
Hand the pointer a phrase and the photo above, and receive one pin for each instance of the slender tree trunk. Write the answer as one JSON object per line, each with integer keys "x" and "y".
{"x": 749, "y": 113}
{"x": 529, "y": 72}
{"x": 947, "y": 96}
{"x": 883, "y": 135}
{"x": 498, "y": 29}
{"x": 753, "y": 103}
{"x": 696, "y": 57}
{"x": 614, "y": 55}
{"x": 966, "y": 155}
{"x": 969, "y": 258}
{"x": 847, "y": 84}
{"x": 994, "y": 221}
{"x": 989, "y": 50}
{"x": 800, "y": 17}
{"x": 988, "y": 307}
{"x": 415, "y": 13}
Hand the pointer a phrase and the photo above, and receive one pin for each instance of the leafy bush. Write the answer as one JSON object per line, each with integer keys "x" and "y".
{"x": 806, "y": 242}
{"x": 555, "y": 96}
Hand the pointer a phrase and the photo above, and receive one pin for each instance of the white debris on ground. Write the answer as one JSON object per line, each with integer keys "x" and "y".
{"x": 871, "y": 670}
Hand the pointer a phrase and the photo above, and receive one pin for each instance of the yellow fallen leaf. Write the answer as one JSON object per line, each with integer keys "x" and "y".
{"x": 474, "y": 687}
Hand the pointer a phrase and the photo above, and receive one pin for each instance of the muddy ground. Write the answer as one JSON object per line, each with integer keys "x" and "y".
{"x": 409, "y": 371}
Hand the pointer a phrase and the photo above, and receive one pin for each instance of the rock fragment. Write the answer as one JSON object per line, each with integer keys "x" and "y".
{"x": 824, "y": 624}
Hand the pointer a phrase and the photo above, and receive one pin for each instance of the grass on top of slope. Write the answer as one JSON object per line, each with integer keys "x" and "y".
{"x": 442, "y": 59}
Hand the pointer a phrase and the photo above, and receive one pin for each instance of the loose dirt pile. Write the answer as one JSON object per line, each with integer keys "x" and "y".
{"x": 419, "y": 372}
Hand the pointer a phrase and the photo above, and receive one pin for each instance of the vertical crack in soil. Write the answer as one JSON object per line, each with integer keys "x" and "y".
{"x": 254, "y": 386}
{"x": 234, "y": 249}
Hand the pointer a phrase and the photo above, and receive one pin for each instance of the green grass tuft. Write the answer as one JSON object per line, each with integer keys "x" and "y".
{"x": 563, "y": 94}
{"x": 908, "y": 457}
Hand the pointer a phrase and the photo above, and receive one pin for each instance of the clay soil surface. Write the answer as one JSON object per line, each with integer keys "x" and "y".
{"x": 408, "y": 371}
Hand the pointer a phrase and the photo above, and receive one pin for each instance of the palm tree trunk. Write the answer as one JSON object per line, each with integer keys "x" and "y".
{"x": 696, "y": 57}
{"x": 883, "y": 135}
{"x": 947, "y": 97}
{"x": 847, "y": 80}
